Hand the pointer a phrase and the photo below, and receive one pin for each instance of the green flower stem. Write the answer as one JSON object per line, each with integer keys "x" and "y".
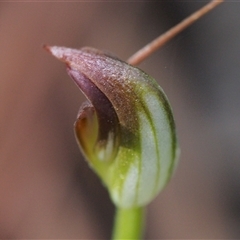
{"x": 128, "y": 223}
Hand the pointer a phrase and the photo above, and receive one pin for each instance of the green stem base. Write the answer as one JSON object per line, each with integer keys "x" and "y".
{"x": 128, "y": 223}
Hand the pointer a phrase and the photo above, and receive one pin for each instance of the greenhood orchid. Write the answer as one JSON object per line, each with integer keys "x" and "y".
{"x": 126, "y": 129}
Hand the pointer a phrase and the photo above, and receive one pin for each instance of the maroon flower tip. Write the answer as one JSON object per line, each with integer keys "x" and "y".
{"x": 59, "y": 52}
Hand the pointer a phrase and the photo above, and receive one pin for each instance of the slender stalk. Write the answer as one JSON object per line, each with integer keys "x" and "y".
{"x": 146, "y": 51}
{"x": 128, "y": 223}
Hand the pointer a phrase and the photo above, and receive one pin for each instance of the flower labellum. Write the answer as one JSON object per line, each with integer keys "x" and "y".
{"x": 126, "y": 129}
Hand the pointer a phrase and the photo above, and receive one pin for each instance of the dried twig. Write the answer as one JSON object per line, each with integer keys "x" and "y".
{"x": 146, "y": 51}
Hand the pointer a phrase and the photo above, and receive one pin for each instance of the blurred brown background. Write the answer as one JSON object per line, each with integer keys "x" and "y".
{"x": 46, "y": 187}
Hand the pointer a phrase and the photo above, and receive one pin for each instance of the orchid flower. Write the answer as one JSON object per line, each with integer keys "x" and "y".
{"x": 126, "y": 129}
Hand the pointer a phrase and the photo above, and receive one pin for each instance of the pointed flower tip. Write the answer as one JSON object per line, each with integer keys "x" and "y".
{"x": 58, "y": 52}
{"x": 46, "y": 47}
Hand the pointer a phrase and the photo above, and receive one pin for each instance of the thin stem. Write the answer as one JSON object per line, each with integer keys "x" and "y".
{"x": 128, "y": 223}
{"x": 146, "y": 51}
